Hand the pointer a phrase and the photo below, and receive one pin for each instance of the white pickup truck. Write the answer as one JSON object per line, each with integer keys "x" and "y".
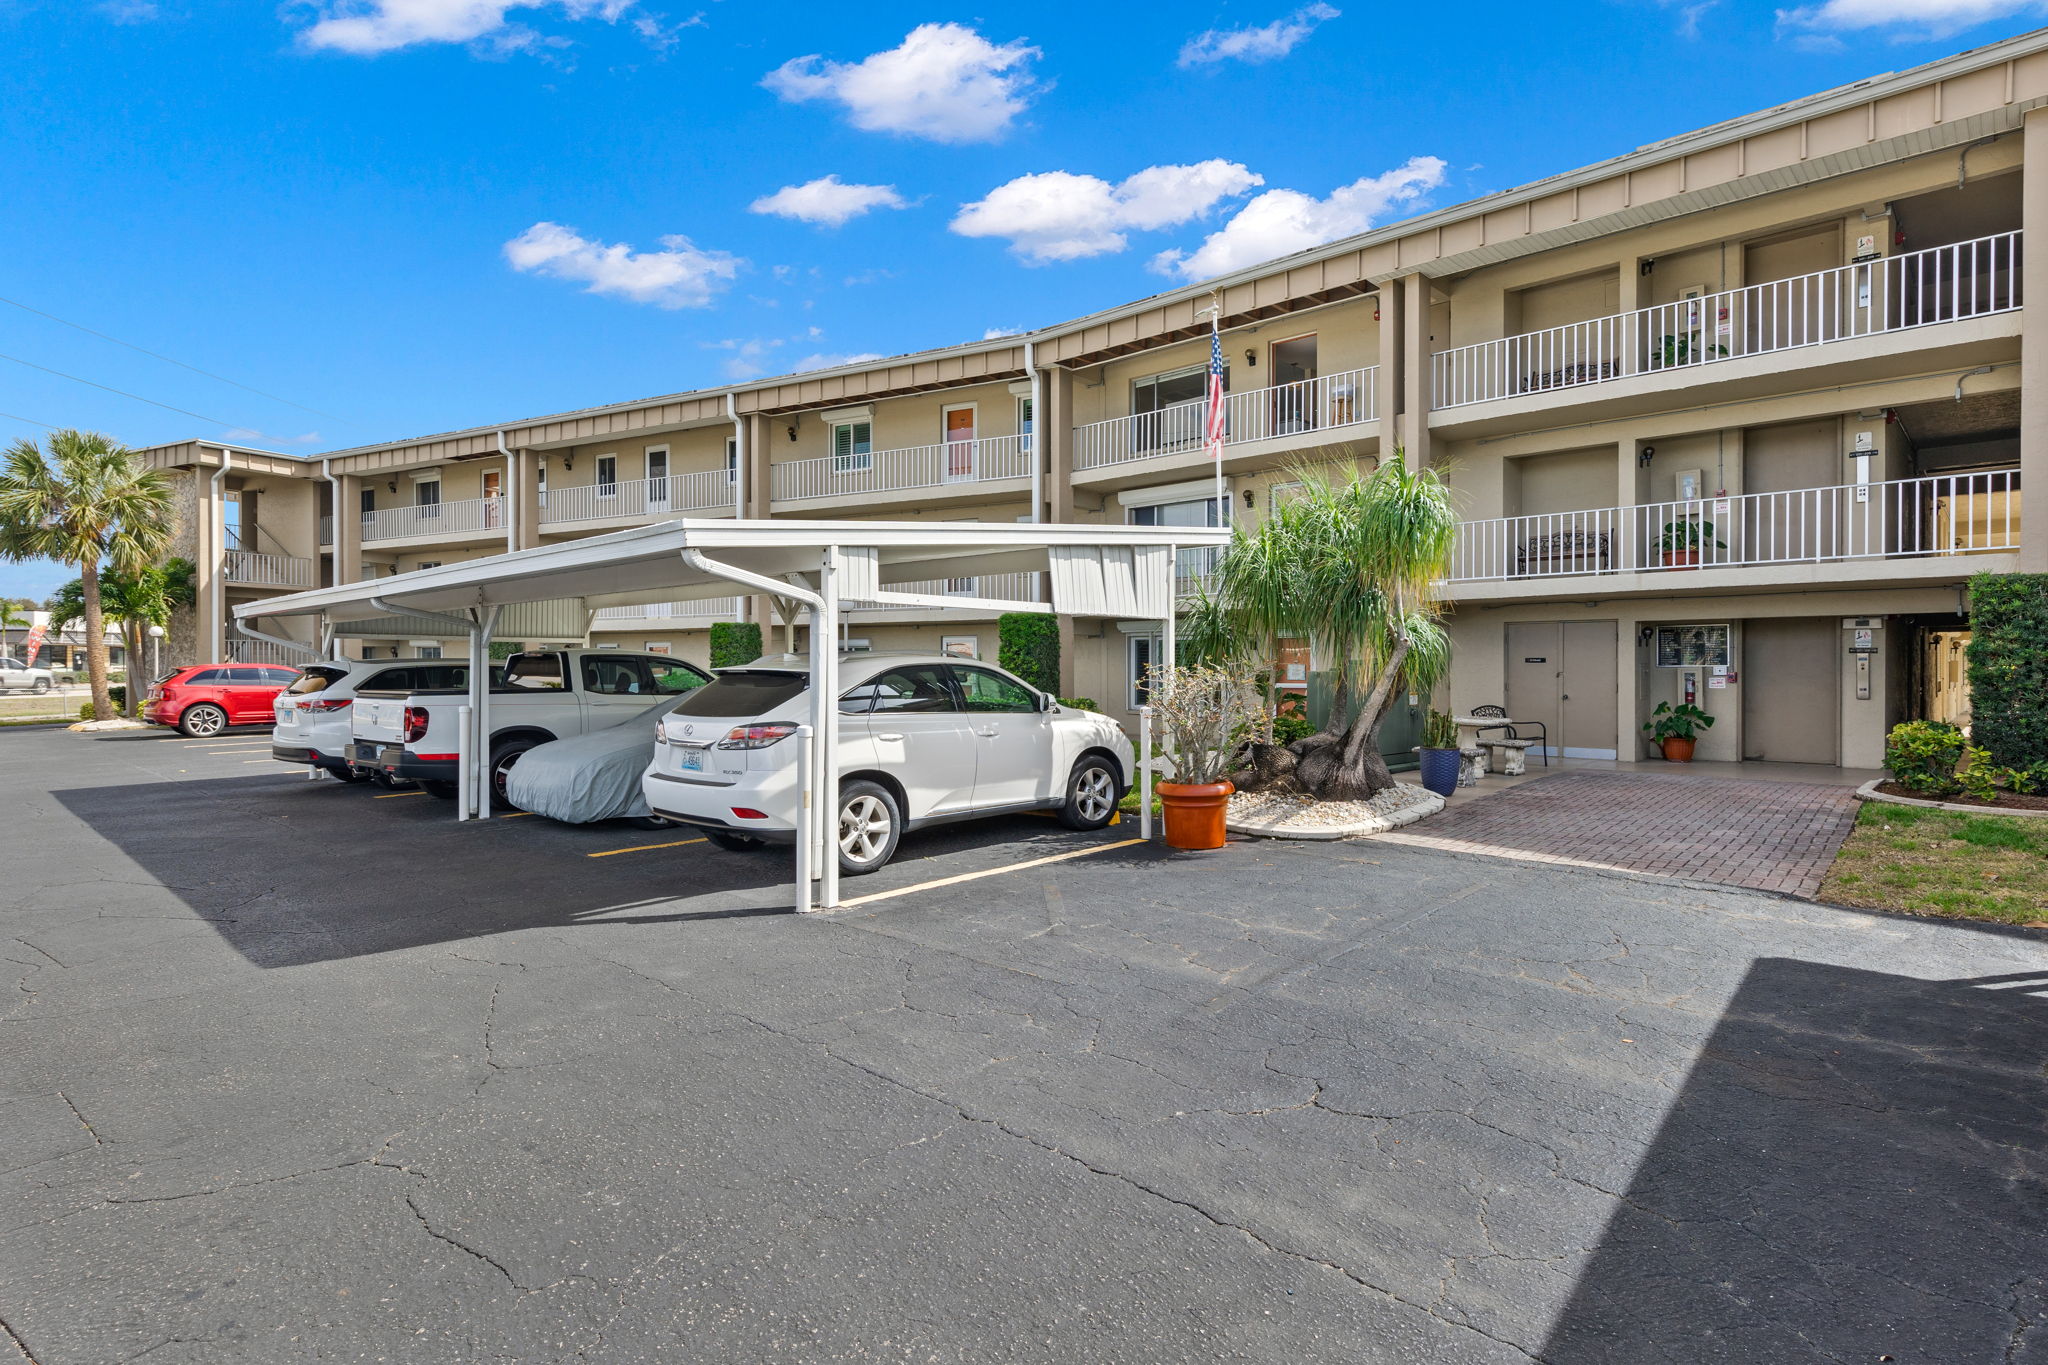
{"x": 543, "y": 695}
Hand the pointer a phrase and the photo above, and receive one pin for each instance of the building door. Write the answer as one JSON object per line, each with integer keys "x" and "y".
{"x": 657, "y": 480}
{"x": 1791, "y": 690}
{"x": 1562, "y": 673}
{"x": 1787, "y": 301}
{"x": 494, "y": 489}
{"x": 959, "y": 444}
{"x": 1948, "y": 677}
{"x": 1294, "y": 368}
{"x": 1792, "y": 510}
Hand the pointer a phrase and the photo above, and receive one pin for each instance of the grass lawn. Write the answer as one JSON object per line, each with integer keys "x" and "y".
{"x": 1937, "y": 862}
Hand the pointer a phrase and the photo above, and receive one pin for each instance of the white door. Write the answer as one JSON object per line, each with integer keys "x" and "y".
{"x": 657, "y": 481}
{"x": 912, "y": 716}
{"x": 1012, "y": 738}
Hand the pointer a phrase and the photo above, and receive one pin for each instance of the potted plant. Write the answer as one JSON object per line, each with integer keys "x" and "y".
{"x": 1676, "y": 729}
{"x": 1205, "y": 712}
{"x": 1675, "y": 349}
{"x": 1681, "y": 542}
{"x": 1440, "y": 753}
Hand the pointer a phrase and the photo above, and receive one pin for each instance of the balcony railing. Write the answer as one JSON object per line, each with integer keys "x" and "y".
{"x": 435, "y": 519}
{"x": 1007, "y": 587}
{"x": 703, "y": 610}
{"x": 1330, "y": 400}
{"x": 1946, "y": 514}
{"x": 241, "y": 651}
{"x": 678, "y": 493}
{"x": 267, "y": 570}
{"x": 327, "y": 530}
{"x": 883, "y": 471}
{"x": 1941, "y": 284}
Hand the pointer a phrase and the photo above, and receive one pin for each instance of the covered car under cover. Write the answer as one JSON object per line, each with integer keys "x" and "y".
{"x": 589, "y": 777}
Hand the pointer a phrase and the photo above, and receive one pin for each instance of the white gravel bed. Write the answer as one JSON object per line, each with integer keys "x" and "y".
{"x": 1303, "y": 817}
{"x": 118, "y": 723}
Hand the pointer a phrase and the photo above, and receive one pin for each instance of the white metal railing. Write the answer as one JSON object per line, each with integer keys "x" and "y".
{"x": 1329, "y": 400}
{"x": 267, "y": 570}
{"x": 245, "y": 651}
{"x": 1944, "y": 514}
{"x": 1007, "y": 587}
{"x": 704, "y": 609}
{"x": 327, "y": 530}
{"x": 1941, "y": 284}
{"x": 435, "y": 519}
{"x": 882, "y": 471}
{"x": 704, "y": 490}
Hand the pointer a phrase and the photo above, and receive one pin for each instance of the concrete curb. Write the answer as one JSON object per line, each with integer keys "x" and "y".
{"x": 1869, "y": 792}
{"x": 1379, "y": 824}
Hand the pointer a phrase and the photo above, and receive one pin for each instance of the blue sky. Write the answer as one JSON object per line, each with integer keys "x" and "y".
{"x": 381, "y": 218}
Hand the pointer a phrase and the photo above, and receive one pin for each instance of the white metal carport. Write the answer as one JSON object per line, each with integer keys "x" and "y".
{"x": 1121, "y": 571}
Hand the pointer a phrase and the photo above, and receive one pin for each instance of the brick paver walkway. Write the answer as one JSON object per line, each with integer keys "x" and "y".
{"x": 1773, "y": 836}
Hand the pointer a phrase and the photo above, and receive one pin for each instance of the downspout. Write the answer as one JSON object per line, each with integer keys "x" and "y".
{"x": 217, "y": 531}
{"x": 739, "y": 452}
{"x": 510, "y": 494}
{"x": 334, "y": 548}
{"x": 1038, "y": 447}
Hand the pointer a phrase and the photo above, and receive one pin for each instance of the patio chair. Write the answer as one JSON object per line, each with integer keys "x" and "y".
{"x": 1513, "y": 731}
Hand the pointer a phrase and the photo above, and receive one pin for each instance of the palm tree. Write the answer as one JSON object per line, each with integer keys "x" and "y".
{"x": 1351, "y": 565}
{"x": 134, "y": 603}
{"x": 86, "y": 500}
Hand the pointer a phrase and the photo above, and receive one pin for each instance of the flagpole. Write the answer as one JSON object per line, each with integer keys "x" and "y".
{"x": 1216, "y": 455}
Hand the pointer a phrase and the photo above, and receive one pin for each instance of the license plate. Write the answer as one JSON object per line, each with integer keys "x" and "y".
{"x": 693, "y": 760}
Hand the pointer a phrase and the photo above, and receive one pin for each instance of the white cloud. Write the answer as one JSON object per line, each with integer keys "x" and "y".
{"x": 944, "y": 82}
{"x": 824, "y": 361}
{"x": 1921, "y": 18}
{"x": 749, "y": 355}
{"x": 130, "y": 12}
{"x": 1280, "y": 222}
{"x": 681, "y": 275}
{"x": 1266, "y": 43}
{"x": 828, "y": 200}
{"x": 995, "y": 333}
{"x": 366, "y": 27}
{"x": 1060, "y": 216}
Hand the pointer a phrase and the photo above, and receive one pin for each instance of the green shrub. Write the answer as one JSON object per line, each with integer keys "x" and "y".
{"x": 1289, "y": 726}
{"x": 2031, "y": 780}
{"x": 1080, "y": 703}
{"x": 2009, "y": 667}
{"x": 504, "y": 649}
{"x": 734, "y": 643}
{"x": 85, "y": 710}
{"x": 1980, "y": 778}
{"x": 1029, "y": 646}
{"x": 1439, "y": 731}
{"x": 1923, "y": 755}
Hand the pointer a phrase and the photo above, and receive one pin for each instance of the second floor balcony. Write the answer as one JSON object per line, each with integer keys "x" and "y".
{"x": 701, "y": 612}
{"x": 1936, "y": 516}
{"x": 977, "y": 460}
{"x": 1321, "y": 408}
{"x": 248, "y": 568}
{"x": 468, "y": 518}
{"x": 710, "y": 490}
{"x": 1971, "y": 279}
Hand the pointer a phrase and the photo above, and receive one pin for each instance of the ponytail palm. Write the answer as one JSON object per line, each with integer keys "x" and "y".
{"x": 1351, "y": 565}
{"x": 86, "y": 500}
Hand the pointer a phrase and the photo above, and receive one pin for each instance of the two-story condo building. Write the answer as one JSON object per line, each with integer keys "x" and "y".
{"x": 1733, "y": 416}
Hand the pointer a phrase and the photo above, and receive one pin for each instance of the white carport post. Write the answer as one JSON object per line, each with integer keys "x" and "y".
{"x": 824, "y": 809}
{"x": 479, "y": 647}
{"x": 476, "y": 780}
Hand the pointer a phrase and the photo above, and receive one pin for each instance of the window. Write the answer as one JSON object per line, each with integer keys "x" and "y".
{"x": 540, "y": 480}
{"x": 432, "y": 651}
{"x": 316, "y": 679}
{"x": 733, "y": 694}
{"x": 922, "y": 689}
{"x": 1197, "y": 563}
{"x": 852, "y": 447}
{"x": 535, "y": 672}
{"x": 625, "y": 676}
{"x": 368, "y": 500}
{"x": 1024, "y": 421}
{"x": 428, "y": 564}
{"x": 673, "y": 678}
{"x": 607, "y": 476}
{"x": 1144, "y": 651}
{"x": 206, "y": 677}
{"x": 657, "y": 474}
{"x": 278, "y": 675}
{"x": 426, "y": 495}
{"x": 1169, "y": 408}
{"x": 732, "y": 459}
{"x": 960, "y": 646}
{"x": 984, "y": 691}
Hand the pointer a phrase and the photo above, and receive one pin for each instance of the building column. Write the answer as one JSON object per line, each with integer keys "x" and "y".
{"x": 1056, "y": 431}
{"x": 1387, "y": 380}
{"x": 523, "y": 472}
{"x": 208, "y": 590}
{"x": 2034, "y": 344}
{"x": 1415, "y": 377}
{"x": 756, "y": 492}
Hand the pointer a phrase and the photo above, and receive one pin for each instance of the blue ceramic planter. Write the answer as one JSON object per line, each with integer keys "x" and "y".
{"x": 1440, "y": 771}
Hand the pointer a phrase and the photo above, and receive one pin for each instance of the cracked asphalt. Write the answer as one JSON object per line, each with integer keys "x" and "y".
{"x": 290, "y": 1073}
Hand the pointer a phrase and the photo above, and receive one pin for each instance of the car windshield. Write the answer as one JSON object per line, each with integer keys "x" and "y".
{"x": 732, "y": 695}
{"x": 316, "y": 679}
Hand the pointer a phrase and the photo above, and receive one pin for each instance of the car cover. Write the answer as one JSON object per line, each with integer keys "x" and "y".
{"x": 589, "y": 777}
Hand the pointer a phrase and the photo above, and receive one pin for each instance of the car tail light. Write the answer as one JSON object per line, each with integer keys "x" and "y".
{"x": 660, "y": 733}
{"x": 755, "y": 737}
{"x": 324, "y": 704}
{"x": 749, "y": 813}
{"x": 415, "y": 724}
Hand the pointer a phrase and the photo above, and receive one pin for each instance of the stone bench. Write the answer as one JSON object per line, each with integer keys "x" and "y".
{"x": 1471, "y": 766}
{"x": 1508, "y": 757}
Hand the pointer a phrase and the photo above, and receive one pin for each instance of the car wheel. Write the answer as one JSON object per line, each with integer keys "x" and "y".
{"x": 42, "y": 686}
{"x": 868, "y": 827}
{"x": 203, "y": 721}
{"x": 503, "y": 758}
{"x": 1091, "y": 794}
{"x": 447, "y": 791}
{"x": 732, "y": 841}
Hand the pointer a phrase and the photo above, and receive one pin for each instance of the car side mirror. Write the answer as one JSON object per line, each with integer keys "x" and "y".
{"x": 1046, "y": 703}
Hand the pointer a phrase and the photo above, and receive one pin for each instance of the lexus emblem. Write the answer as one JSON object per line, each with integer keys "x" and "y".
{"x": 689, "y": 729}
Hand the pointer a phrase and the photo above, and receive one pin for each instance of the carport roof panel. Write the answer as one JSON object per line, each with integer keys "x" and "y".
{"x": 645, "y": 564}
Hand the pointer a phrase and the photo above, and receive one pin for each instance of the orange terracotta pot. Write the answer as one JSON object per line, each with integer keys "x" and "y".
{"x": 1681, "y": 559}
{"x": 1194, "y": 813}
{"x": 1678, "y": 750}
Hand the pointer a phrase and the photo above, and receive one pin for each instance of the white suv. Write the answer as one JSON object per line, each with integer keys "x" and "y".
{"x": 314, "y": 713}
{"x": 16, "y": 676}
{"x": 923, "y": 739}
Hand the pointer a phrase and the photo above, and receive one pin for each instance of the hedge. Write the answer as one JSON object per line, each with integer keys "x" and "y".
{"x": 1029, "y": 646}
{"x": 734, "y": 643}
{"x": 2009, "y": 667}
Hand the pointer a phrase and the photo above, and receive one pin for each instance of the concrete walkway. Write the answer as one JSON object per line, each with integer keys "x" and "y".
{"x": 1764, "y": 831}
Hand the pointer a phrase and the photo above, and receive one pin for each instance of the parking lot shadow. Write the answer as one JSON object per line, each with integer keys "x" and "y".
{"x": 292, "y": 872}
{"x": 1856, "y": 1168}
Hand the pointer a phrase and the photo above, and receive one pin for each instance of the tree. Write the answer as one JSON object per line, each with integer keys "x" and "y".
{"x": 134, "y": 603}
{"x": 1350, "y": 565}
{"x": 10, "y": 619}
{"x": 86, "y": 500}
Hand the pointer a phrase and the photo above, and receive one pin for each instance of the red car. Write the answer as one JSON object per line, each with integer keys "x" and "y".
{"x": 205, "y": 699}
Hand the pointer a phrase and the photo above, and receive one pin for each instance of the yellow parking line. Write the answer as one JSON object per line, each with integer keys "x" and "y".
{"x": 393, "y": 796}
{"x": 515, "y": 815}
{"x": 641, "y": 848}
{"x": 991, "y": 872}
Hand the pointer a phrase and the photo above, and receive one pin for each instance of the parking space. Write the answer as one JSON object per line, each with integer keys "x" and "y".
{"x": 291, "y": 1072}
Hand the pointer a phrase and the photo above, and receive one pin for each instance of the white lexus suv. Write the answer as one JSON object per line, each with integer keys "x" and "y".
{"x": 923, "y": 739}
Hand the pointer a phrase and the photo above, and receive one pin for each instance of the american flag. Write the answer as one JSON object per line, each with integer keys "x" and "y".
{"x": 1216, "y": 422}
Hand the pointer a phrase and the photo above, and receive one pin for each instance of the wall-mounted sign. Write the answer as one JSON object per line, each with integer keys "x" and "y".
{"x": 1692, "y": 646}
{"x": 1863, "y": 642}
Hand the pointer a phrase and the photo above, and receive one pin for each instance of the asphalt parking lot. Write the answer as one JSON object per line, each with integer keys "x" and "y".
{"x": 289, "y": 1072}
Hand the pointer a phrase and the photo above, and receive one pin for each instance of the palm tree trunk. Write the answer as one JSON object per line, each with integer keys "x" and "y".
{"x": 95, "y": 640}
{"x": 1360, "y": 771}
{"x": 131, "y": 645}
